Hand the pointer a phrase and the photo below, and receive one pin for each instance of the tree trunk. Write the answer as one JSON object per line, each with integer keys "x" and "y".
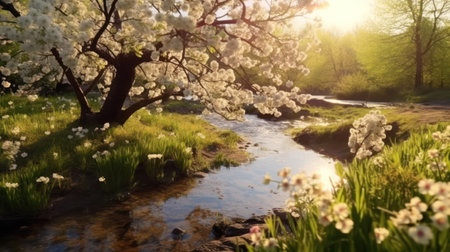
{"x": 419, "y": 66}
{"x": 120, "y": 86}
{"x": 418, "y": 80}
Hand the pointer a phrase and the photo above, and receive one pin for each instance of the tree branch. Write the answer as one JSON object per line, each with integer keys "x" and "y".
{"x": 95, "y": 81}
{"x": 85, "y": 109}
{"x": 125, "y": 114}
{"x": 10, "y": 7}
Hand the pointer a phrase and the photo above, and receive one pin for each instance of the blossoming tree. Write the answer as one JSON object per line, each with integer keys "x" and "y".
{"x": 158, "y": 50}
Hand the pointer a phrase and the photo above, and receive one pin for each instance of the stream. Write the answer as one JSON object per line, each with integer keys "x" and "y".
{"x": 144, "y": 221}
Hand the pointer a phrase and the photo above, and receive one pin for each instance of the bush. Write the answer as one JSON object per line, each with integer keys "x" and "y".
{"x": 359, "y": 87}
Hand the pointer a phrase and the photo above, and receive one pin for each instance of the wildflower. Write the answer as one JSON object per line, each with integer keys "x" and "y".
{"x": 105, "y": 153}
{"x": 201, "y": 135}
{"x": 415, "y": 215}
{"x": 111, "y": 144}
{"x": 43, "y": 179}
{"x": 101, "y": 179}
{"x": 421, "y": 234}
{"x": 105, "y": 126}
{"x": 267, "y": 179}
{"x": 15, "y": 131}
{"x": 378, "y": 161}
{"x": 24, "y": 154}
{"x": 12, "y": 167}
{"x": 255, "y": 229}
{"x": 402, "y": 217}
{"x": 440, "y": 220}
{"x": 6, "y": 84}
{"x": 437, "y": 135}
{"x": 57, "y": 176}
{"x": 23, "y": 138}
{"x": 381, "y": 234}
{"x": 5, "y": 116}
{"x": 127, "y": 142}
{"x": 95, "y": 156}
{"x": 154, "y": 156}
{"x": 440, "y": 189}
{"x": 159, "y": 110}
{"x": 32, "y": 98}
{"x": 340, "y": 210}
{"x": 161, "y": 136}
{"x": 87, "y": 144}
{"x": 69, "y": 136}
{"x": 284, "y": 173}
{"x": 10, "y": 103}
{"x": 11, "y": 185}
{"x": 255, "y": 235}
{"x": 325, "y": 220}
{"x": 418, "y": 204}
{"x": 285, "y": 184}
{"x": 270, "y": 243}
{"x": 298, "y": 179}
{"x": 345, "y": 226}
{"x": 433, "y": 153}
{"x": 440, "y": 206}
{"x": 437, "y": 166}
{"x": 425, "y": 186}
{"x": 55, "y": 155}
{"x": 47, "y": 132}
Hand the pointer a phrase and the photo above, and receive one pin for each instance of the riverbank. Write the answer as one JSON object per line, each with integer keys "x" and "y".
{"x": 50, "y": 166}
{"x": 331, "y": 139}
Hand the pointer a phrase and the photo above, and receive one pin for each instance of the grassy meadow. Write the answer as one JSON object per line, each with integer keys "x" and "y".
{"x": 46, "y": 153}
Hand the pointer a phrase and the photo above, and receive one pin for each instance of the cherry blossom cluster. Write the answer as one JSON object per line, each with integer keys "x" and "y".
{"x": 199, "y": 47}
{"x": 367, "y": 134}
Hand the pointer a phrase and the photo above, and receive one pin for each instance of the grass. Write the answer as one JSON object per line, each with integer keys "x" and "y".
{"x": 86, "y": 154}
{"x": 374, "y": 192}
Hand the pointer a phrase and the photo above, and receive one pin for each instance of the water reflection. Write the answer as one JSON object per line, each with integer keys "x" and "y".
{"x": 145, "y": 221}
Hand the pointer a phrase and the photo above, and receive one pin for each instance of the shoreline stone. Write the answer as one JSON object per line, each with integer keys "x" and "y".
{"x": 235, "y": 235}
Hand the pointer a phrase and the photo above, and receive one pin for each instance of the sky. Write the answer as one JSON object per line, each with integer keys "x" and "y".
{"x": 345, "y": 15}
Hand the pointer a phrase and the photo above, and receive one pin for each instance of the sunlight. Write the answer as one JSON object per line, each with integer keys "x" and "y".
{"x": 345, "y": 15}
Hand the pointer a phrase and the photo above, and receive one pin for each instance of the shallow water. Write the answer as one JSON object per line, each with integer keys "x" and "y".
{"x": 354, "y": 102}
{"x": 145, "y": 221}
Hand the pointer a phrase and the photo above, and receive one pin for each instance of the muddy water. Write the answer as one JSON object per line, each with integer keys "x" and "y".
{"x": 145, "y": 221}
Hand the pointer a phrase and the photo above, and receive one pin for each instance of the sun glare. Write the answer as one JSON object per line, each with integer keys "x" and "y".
{"x": 345, "y": 15}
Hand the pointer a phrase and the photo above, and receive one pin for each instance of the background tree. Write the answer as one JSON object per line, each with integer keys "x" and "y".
{"x": 423, "y": 21}
{"x": 157, "y": 50}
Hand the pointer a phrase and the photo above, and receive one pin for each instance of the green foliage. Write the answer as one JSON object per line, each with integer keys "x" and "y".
{"x": 359, "y": 87}
{"x": 30, "y": 196}
{"x": 222, "y": 160}
{"x": 172, "y": 150}
{"x": 118, "y": 169}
